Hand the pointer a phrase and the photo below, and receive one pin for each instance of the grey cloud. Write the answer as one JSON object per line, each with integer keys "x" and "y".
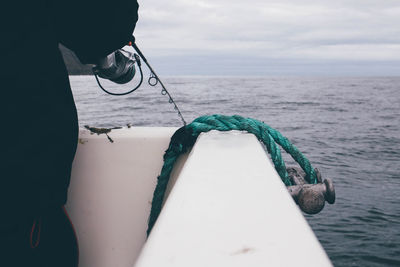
{"x": 313, "y": 30}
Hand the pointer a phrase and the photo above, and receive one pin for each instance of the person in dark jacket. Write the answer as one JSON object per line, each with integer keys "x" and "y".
{"x": 39, "y": 125}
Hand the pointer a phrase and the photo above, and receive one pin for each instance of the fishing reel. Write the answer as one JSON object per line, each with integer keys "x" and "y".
{"x": 118, "y": 67}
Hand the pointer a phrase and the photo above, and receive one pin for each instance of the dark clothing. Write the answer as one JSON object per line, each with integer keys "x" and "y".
{"x": 39, "y": 127}
{"x": 38, "y": 115}
{"x": 108, "y": 25}
{"x": 44, "y": 241}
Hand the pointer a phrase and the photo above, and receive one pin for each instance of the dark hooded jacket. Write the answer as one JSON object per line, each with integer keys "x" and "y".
{"x": 39, "y": 127}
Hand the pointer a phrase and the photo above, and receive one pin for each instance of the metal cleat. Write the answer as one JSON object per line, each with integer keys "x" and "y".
{"x": 310, "y": 197}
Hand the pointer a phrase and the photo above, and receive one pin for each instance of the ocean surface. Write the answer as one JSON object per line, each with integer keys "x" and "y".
{"x": 348, "y": 127}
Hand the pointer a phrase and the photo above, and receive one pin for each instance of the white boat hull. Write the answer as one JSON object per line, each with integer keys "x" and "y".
{"x": 227, "y": 207}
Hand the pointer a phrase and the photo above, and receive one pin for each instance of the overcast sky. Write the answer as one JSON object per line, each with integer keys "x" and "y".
{"x": 271, "y": 37}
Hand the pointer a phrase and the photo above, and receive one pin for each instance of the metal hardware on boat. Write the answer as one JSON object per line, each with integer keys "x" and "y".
{"x": 98, "y": 131}
{"x": 310, "y": 197}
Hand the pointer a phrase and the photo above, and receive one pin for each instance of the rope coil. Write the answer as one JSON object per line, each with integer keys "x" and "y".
{"x": 185, "y": 137}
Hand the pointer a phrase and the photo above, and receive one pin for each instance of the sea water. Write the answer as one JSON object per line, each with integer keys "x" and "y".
{"x": 348, "y": 127}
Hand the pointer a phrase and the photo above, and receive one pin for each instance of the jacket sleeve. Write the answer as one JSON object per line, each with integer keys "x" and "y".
{"x": 93, "y": 29}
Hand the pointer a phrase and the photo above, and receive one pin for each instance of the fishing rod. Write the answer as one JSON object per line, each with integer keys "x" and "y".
{"x": 119, "y": 67}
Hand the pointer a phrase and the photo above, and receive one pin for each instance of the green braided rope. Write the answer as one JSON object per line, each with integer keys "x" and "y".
{"x": 185, "y": 137}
